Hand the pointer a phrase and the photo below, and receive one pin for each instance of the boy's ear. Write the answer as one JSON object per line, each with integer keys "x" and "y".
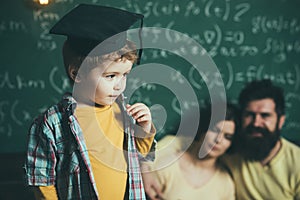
{"x": 73, "y": 72}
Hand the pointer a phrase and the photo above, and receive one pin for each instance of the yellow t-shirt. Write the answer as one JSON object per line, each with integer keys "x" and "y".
{"x": 104, "y": 141}
{"x": 278, "y": 180}
{"x": 105, "y": 147}
{"x": 104, "y": 136}
{"x": 45, "y": 192}
{"x": 175, "y": 186}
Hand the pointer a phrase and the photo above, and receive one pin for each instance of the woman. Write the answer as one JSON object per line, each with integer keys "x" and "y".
{"x": 196, "y": 173}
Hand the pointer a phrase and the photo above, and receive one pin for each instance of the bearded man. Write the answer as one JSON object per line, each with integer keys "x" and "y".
{"x": 266, "y": 166}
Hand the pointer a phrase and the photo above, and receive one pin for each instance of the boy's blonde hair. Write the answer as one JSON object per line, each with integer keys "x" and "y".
{"x": 74, "y": 60}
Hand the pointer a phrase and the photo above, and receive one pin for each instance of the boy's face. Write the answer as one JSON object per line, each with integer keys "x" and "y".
{"x": 103, "y": 84}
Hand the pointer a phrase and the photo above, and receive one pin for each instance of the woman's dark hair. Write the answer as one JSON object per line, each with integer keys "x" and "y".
{"x": 231, "y": 114}
{"x": 206, "y": 122}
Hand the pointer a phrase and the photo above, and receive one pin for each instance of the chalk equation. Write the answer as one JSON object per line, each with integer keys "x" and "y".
{"x": 15, "y": 112}
{"x": 13, "y": 26}
{"x": 225, "y": 10}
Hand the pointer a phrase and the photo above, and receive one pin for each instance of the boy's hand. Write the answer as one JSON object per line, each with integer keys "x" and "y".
{"x": 141, "y": 113}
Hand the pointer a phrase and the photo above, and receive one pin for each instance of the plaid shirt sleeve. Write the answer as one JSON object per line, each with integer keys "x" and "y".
{"x": 150, "y": 156}
{"x": 40, "y": 159}
{"x": 57, "y": 155}
{"x": 143, "y": 139}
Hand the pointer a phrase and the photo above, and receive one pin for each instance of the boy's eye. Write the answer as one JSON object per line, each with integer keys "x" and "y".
{"x": 110, "y": 76}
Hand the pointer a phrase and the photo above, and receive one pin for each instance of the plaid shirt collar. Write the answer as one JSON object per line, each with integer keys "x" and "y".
{"x": 136, "y": 188}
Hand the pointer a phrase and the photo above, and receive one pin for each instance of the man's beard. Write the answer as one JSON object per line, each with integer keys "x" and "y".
{"x": 258, "y": 148}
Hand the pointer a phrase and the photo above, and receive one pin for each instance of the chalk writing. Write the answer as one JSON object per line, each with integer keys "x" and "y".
{"x": 264, "y": 24}
{"x": 211, "y": 8}
{"x": 186, "y": 105}
{"x": 238, "y": 37}
{"x": 292, "y": 99}
{"x": 139, "y": 97}
{"x": 252, "y": 73}
{"x": 45, "y": 31}
{"x": 59, "y": 88}
{"x": 46, "y": 45}
{"x": 134, "y": 82}
{"x": 293, "y": 125}
{"x": 67, "y": 1}
{"x": 3, "y": 104}
{"x": 15, "y": 114}
{"x": 274, "y": 46}
{"x": 238, "y": 51}
{"x": 192, "y": 9}
{"x": 59, "y": 82}
{"x": 6, "y": 129}
{"x": 214, "y": 8}
{"x": 217, "y": 10}
{"x": 297, "y": 70}
{"x": 18, "y": 82}
{"x": 11, "y": 26}
{"x": 41, "y": 16}
{"x": 241, "y": 9}
{"x": 45, "y": 41}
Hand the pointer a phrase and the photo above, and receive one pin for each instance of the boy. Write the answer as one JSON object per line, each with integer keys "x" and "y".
{"x": 76, "y": 148}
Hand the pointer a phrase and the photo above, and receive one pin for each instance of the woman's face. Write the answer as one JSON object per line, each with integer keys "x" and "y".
{"x": 218, "y": 140}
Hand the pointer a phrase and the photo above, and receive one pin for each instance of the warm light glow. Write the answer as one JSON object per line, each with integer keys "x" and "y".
{"x": 43, "y": 2}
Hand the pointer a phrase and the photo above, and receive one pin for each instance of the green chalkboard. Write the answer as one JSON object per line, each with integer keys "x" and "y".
{"x": 246, "y": 39}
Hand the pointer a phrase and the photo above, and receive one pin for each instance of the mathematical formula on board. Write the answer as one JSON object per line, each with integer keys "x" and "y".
{"x": 13, "y": 110}
{"x": 228, "y": 43}
{"x": 218, "y": 39}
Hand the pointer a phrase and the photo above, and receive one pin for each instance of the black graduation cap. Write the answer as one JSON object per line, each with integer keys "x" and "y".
{"x": 87, "y": 25}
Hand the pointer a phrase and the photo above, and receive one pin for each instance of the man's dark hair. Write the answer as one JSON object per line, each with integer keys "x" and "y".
{"x": 206, "y": 121}
{"x": 263, "y": 89}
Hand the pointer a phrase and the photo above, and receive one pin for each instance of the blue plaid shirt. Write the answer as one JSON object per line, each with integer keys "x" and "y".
{"x": 57, "y": 155}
